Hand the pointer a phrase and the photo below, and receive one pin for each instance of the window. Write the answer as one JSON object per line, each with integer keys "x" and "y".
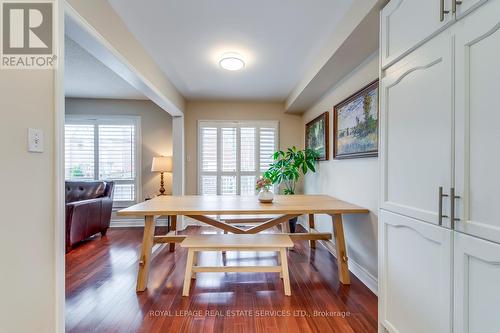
{"x": 104, "y": 148}
{"x": 232, "y": 155}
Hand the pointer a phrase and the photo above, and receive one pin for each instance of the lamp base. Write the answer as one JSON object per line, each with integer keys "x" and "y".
{"x": 162, "y": 188}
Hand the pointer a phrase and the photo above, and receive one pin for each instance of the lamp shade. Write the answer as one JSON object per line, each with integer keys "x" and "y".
{"x": 162, "y": 164}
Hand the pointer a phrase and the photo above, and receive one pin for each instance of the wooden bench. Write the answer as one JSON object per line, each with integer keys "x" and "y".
{"x": 232, "y": 242}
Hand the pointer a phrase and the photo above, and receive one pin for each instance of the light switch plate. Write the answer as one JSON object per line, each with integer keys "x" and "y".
{"x": 35, "y": 140}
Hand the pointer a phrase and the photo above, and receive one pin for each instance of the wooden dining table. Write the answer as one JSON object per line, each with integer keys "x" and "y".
{"x": 207, "y": 209}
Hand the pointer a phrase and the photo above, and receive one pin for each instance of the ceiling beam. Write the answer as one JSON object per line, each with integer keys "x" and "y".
{"x": 356, "y": 38}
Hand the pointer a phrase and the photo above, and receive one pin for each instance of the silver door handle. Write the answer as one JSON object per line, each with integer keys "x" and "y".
{"x": 454, "y": 5}
{"x": 442, "y": 11}
{"x": 440, "y": 212}
{"x": 453, "y": 219}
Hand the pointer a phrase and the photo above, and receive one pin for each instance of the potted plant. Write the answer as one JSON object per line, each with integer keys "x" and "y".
{"x": 287, "y": 168}
{"x": 263, "y": 185}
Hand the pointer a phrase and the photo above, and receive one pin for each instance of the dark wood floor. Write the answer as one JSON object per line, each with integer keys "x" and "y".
{"x": 101, "y": 297}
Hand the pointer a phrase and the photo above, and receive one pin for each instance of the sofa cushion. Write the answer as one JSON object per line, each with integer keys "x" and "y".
{"x": 83, "y": 190}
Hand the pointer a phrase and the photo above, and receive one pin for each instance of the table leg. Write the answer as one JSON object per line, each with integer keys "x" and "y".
{"x": 286, "y": 226}
{"x": 284, "y": 270}
{"x": 338, "y": 230}
{"x": 189, "y": 270}
{"x": 173, "y": 228}
{"x": 312, "y": 243}
{"x": 145, "y": 258}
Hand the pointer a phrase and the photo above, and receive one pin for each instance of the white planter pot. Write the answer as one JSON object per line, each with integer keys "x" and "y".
{"x": 265, "y": 196}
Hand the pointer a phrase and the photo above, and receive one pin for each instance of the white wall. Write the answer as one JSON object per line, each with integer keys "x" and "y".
{"x": 352, "y": 180}
{"x": 27, "y": 277}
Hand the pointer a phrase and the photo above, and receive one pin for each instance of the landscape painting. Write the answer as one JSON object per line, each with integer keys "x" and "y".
{"x": 356, "y": 124}
{"x": 317, "y": 136}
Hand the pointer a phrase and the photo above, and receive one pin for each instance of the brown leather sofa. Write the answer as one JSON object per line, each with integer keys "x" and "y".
{"x": 88, "y": 210}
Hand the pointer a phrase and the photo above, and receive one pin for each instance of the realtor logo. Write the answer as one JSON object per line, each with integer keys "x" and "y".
{"x": 27, "y": 35}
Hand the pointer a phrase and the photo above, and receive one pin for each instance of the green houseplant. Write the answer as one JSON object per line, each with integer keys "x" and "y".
{"x": 287, "y": 168}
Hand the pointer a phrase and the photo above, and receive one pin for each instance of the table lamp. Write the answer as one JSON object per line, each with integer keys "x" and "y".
{"x": 162, "y": 164}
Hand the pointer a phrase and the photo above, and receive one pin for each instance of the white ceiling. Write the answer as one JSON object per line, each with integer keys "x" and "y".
{"x": 277, "y": 39}
{"x": 87, "y": 77}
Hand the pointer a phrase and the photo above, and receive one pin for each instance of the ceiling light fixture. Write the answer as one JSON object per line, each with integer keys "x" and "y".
{"x": 231, "y": 62}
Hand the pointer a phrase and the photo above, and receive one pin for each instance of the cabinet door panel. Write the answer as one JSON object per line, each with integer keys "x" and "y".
{"x": 478, "y": 122}
{"x": 415, "y": 275}
{"x": 477, "y": 287}
{"x": 406, "y": 23}
{"x": 468, "y": 6}
{"x": 416, "y": 130}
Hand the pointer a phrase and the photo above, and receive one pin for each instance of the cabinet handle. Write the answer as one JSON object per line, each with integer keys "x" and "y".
{"x": 442, "y": 11}
{"x": 453, "y": 219}
{"x": 440, "y": 213}
{"x": 454, "y": 5}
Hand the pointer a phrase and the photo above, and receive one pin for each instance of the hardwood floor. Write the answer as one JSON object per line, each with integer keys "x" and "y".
{"x": 101, "y": 297}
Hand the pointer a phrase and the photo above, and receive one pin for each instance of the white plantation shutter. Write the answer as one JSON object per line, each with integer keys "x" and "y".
{"x": 247, "y": 150}
{"x": 104, "y": 148}
{"x": 233, "y": 155}
{"x": 209, "y": 148}
{"x": 228, "y": 149}
{"x": 267, "y": 140}
{"x": 79, "y": 150}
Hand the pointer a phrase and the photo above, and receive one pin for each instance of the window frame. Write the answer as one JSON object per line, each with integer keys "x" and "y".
{"x": 238, "y": 124}
{"x": 97, "y": 120}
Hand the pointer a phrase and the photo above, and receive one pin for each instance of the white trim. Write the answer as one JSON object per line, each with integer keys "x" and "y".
{"x": 117, "y": 119}
{"x": 370, "y": 281}
{"x": 359, "y": 271}
{"x": 59, "y": 190}
{"x": 127, "y": 223}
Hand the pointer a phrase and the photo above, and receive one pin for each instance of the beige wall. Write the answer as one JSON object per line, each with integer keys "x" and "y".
{"x": 27, "y": 228}
{"x": 291, "y": 128}
{"x": 156, "y": 131}
{"x": 353, "y": 180}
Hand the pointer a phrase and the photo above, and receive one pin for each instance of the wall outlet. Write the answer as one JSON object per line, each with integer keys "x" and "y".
{"x": 35, "y": 140}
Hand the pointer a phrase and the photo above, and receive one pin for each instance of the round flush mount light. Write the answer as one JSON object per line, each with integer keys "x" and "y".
{"x": 231, "y": 62}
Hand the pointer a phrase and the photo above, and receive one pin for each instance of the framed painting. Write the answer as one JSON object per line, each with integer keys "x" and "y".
{"x": 356, "y": 124}
{"x": 317, "y": 136}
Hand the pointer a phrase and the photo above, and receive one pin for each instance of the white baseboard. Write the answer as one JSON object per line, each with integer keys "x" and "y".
{"x": 370, "y": 281}
{"x": 128, "y": 223}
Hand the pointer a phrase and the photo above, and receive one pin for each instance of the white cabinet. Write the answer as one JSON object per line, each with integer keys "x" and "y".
{"x": 439, "y": 127}
{"x": 405, "y": 23}
{"x": 466, "y": 6}
{"x": 477, "y": 100}
{"x": 476, "y": 285}
{"x": 415, "y": 275}
{"x": 416, "y": 129}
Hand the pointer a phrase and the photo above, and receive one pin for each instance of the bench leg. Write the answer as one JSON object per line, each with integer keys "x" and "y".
{"x": 279, "y": 264}
{"x": 195, "y": 263}
{"x": 187, "y": 276}
{"x": 284, "y": 269}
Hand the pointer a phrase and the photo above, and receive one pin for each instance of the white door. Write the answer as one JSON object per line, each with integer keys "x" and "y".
{"x": 405, "y": 23}
{"x": 416, "y": 131}
{"x": 478, "y": 122}
{"x": 477, "y": 287}
{"x": 466, "y": 6}
{"x": 415, "y": 267}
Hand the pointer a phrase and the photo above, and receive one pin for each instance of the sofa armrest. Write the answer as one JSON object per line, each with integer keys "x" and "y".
{"x": 83, "y": 218}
